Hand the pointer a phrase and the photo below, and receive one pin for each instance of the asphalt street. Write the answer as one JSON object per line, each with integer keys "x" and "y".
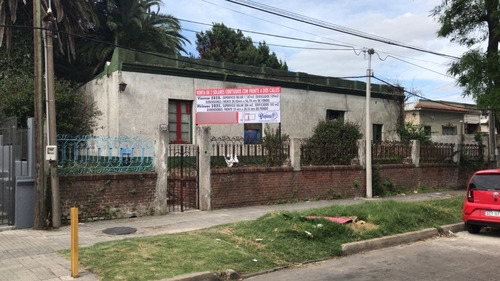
{"x": 461, "y": 256}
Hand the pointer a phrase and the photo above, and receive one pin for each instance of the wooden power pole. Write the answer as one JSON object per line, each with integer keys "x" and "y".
{"x": 40, "y": 181}
{"x": 51, "y": 116}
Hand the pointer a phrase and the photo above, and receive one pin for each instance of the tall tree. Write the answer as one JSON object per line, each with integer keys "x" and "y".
{"x": 135, "y": 24}
{"x": 76, "y": 114}
{"x": 222, "y": 43}
{"x": 469, "y": 23}
{"x": 72, "y": 17}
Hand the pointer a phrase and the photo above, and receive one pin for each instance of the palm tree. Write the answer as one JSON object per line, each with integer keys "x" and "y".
{"x": 135, "y": 24}
{"x": 72, "y": 17}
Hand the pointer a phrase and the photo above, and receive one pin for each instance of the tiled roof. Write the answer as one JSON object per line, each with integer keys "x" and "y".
{"x": 440, "y": 107}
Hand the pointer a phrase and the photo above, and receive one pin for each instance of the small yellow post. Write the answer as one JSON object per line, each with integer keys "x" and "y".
{"x": 74, "y": 242}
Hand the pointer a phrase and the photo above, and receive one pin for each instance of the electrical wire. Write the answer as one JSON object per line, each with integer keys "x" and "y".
{"x": 181, "y": 59}
{"x": 206, "y": 65}
{"x": 424, "y": 98}
{"x": 289, "y": 38}
{"x": 326, "y": 25}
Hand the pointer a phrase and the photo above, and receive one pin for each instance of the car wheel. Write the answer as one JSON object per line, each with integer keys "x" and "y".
{"x": 474, "y": 229}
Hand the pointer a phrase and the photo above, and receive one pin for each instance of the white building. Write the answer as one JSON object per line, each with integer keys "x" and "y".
{"x": 137, "y": 93}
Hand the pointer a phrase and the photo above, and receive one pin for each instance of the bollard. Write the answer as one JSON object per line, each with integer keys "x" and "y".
{"x": 74, "y": 242}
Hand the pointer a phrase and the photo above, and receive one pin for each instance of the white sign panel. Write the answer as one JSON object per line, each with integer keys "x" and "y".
{"x": 239, "y": 105}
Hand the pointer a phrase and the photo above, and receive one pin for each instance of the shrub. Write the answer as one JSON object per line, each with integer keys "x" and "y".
{"x": 273, "y": 143}
{"x": 334, "y": 142}
{"x": 408, "y": 131}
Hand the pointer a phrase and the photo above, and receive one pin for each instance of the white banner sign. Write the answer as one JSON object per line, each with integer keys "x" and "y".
{"x": 240, "y": 105}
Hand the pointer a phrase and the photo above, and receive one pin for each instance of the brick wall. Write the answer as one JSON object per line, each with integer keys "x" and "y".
{"x": 126, "y": 195}
{"x": 234, "y": 187}
{"x": 428, "y": 175}
{"x": 107, "y": 196}
{"x": 256, "y": 186}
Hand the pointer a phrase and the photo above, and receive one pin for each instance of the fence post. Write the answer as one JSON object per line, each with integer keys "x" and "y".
{"x": 203, "y": 134}
{"x": 362, "y": 153}
{"x": 295, "y": 153}
{"x": 415, "y": 152}
{"x": 161, "y": 167}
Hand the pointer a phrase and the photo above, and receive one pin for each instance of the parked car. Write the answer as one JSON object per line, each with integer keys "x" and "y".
{"x": 482, "y": 205}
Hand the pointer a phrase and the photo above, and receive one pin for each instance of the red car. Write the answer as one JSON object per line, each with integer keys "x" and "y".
{"x": 482, "y": 205}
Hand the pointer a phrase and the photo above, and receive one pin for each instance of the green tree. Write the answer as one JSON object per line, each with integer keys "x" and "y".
{"x": 72, "y": 17}
{"x": 134, "y": 24}
{"x": 222, "y": 43}
{"x": 469, "y": 23}
{"x": 75, "y": 114}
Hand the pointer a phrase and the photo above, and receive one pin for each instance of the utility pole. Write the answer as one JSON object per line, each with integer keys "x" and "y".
{"x": 40, "y": 181}
{"x": 368, "y": 128}
{"x": 51, "y": 115}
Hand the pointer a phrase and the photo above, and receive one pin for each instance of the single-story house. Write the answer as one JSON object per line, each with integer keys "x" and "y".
{"x": 138, "y": 92}
{"x": 445, "y": 118}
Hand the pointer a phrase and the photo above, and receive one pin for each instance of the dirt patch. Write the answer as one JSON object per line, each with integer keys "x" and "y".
{"x": 360, "y": 225}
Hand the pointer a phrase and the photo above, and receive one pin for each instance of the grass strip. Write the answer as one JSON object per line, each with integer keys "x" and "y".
{"x": 273, "y": 240}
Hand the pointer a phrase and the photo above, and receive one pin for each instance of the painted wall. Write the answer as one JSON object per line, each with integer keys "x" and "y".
{"x": 143, "y": 105}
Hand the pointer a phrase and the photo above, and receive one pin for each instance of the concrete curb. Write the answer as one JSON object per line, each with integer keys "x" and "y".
{"x": 199, "y": 276}
{"x": 398, "y": 239}
{"x": 347, "y": 249}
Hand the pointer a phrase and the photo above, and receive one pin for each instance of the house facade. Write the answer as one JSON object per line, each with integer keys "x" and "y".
{"x": 137, "y": 93}
{"x": 444, "y": 118}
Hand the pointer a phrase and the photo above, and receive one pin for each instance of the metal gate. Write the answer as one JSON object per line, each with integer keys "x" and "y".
{"x": 8, "y": 132}
{"x": 183, "y": 188}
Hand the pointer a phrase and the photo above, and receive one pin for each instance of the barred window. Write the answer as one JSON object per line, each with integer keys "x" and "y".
{"x": 449, "y": 130}
{"x": 179, "y": 121}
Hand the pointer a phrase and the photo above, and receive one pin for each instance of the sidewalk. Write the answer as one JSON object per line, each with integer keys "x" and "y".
{"x": 30, "y": 254}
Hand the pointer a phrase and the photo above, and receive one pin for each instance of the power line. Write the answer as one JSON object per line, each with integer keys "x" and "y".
{"x": 312, "y": 48}
{"x": 424, "y": 98}
{"x": 294, "y": 47}
{"x": 291, "y": 38}
{"x": 276, "y": 35}
{"x": 274, "y": 23}
{"x": 198, "y": 62}
{"x": 326, "y": 25}
{"x": 181, "y": 59}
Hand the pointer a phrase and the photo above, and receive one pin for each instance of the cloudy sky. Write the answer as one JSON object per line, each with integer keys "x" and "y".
{"x": 405, "y": 21}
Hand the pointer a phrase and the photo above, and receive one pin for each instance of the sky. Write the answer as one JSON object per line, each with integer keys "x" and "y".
{"x": 406, "y": 21}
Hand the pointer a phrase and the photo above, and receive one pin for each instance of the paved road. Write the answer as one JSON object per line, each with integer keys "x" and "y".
{"x": 462, "y": 256}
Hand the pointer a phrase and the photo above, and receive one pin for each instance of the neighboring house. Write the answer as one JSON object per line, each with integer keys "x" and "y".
{"x": 444, "y": 118}
{"x": 137, "y": 93}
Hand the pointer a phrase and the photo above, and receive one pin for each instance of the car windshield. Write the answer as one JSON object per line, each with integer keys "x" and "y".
{"x": 485, "y": 182}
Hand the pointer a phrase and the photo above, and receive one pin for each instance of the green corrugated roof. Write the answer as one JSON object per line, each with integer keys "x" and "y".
{"x": 126, "y": 60}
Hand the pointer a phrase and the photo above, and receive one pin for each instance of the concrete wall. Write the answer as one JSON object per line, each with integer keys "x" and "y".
{"x": 143, "y": 105}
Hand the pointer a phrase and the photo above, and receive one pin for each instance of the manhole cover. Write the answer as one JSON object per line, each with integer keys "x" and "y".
{"x": 119, "y": 230}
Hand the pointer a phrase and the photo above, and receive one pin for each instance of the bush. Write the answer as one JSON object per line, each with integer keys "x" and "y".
{"x": 273, "y": 143}
{"x": 408, "y": 131}
{"x": 334, "y": 142}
